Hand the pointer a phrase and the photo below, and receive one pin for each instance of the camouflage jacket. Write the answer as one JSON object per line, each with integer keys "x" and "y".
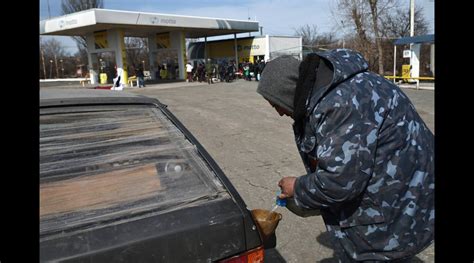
{"x": 370, "y": 162}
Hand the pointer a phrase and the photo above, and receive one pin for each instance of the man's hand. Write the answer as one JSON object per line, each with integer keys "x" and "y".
{"x": 287, "y": 185}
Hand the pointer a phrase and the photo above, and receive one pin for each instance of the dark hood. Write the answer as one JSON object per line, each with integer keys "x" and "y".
{"x": 336, "y": 66}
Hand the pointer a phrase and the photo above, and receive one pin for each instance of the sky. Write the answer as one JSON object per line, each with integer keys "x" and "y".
{"x": 277, "y": 17}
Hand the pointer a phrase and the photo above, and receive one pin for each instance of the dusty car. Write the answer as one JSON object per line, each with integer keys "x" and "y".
{"x": 121, "y": 179}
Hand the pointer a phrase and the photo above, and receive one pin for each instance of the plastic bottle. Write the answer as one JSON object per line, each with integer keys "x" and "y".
{"x": 280, "y": 201}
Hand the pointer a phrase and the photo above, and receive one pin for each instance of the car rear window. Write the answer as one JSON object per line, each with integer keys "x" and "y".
{"x": 101, "y": 164}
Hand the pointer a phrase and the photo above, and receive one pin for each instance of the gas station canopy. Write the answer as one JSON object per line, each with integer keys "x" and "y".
{"x": 142, "y": 24}
{"x": 104, "y": 31}
{"x": 415, "y": 40}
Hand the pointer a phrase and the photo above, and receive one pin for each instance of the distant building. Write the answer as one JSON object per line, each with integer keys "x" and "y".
{"x": 251, "y": 49}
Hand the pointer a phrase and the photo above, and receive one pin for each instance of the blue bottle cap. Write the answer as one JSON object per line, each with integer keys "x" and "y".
{"x": 280, "y": 201}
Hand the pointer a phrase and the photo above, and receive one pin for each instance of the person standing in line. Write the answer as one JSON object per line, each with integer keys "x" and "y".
{"x": 140, "y": 77}
{"x": 189, "y": 72}
{"x": 209, "y": 71}
{"x": 246, "y": 71}
{"x": 163, "y": 72}
{"x": 222, "y": 69}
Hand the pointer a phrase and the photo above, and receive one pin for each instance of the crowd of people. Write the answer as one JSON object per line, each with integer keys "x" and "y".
{"x": 210, "y": 71}
{"x": 207, "y": 71}
{"x": 162, "y": 72}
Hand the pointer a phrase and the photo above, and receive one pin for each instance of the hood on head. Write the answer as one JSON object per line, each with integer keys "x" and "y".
{"x": 345, "y": 63}
{"x": 336, "y": 66}
{"x": 278, "y": 81}
{"x": 280, "y": 76}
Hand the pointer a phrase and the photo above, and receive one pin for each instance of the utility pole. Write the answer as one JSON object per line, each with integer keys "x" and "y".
{"x": 50, "y": 68}
{"x": 412, "y": 24}
{"x": 343, "y": 35}
{"x": 248, "y": 15}
{"x": 49, "y": 11}
{"x": 56, "y": 64}
{"x": 414, "y": 52}
{"x": 62, "y": 68}
{"x": 44, "y": 65}
{"x": 412, "y": 18}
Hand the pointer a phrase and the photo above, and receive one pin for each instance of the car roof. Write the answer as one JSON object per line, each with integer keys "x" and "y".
{"x": 68, "y": 97}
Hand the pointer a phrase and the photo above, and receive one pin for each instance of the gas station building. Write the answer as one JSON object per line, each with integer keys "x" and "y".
{"x": 249, "y": 49}
{"x": 105, "y": 31}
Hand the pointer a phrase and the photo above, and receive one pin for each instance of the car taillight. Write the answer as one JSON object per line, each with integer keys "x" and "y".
{"x": 251, "y": 256}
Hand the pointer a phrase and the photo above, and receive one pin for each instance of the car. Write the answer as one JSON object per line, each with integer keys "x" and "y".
{"x": 122, "y": 180}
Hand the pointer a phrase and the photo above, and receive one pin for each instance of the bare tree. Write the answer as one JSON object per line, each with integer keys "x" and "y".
{"x": 309, "y": 34}
{"x": 137, "y": 50}
{"x": 397, "y": 23}
{"x": 312, "y": 39}
{"x": 72, "y": 6}
{"x": 354, "y": 14}
{"x": 326, "y": 40}
{"x": 82, "y": 55}
{"x": 367, "y": 19}
{"x": 378, "y": 42}
{"x": 42, "y": 60}
{"x": 51, "y": 51}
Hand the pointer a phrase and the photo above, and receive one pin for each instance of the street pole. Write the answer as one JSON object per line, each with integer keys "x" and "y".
{"x": 248, "y": 13}
{"x": 49, "y": 11}
{"x": 56, "y": 64}
{"x": 44, "y": 65}
{"x": 343, "y": 35}
{"x": 412, "y": 25}
{"x": 412, "y": 18}
{"x": 412, "y": 31}
{"x": 205, "y": 49}
{"x": 235, "y": 51}
{"x": 62, "y": 68}
{"x": 50, "y": 68}
{"x": 394, "y": 62}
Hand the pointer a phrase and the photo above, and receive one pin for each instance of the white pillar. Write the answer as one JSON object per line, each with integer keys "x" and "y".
{"x": 235, "y": 52}
{"x": 94, "y": 75}
{"x": 394, "y": 62}
{"x": 178, "y": 42}
{"x": 151, "y": 54}
{"x": 205, "y": 50}
{"x": 414, "y": 61}
{"x": 267, "y": 51}
{"x": 117, "y": 43}
{"x": 301, "y": 48}
{"x": 413, "y": 58}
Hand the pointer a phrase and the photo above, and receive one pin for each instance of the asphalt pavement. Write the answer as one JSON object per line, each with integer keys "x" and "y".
{"x": 255, "y": 148}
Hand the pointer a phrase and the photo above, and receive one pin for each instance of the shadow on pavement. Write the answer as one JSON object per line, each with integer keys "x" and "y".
{"x": 272, "y": 255}
{"x": 326, "y": 240}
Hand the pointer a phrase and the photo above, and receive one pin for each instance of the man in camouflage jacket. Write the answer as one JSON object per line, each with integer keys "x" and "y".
{"x": 369, "y": 156}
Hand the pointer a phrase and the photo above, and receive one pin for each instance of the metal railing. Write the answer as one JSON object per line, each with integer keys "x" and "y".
{"x": 414, "y": 78}
{"x": 418, "y": 78}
